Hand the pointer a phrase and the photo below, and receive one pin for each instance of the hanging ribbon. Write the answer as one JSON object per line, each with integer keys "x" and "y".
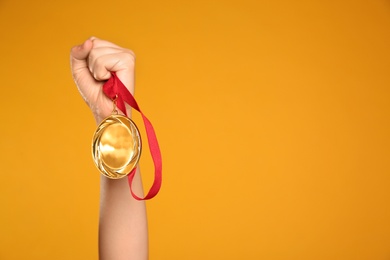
{"x": 115, "y": 88}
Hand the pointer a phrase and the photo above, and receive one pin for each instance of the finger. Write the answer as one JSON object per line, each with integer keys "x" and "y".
{"x": 118, "y": 63}
{"x": 100, "y": 52}
{"x": 80, "y": 53}
{"x": 79, "y": 63}
{"x": 102, "y": 65}
{"x": 99, "y": 43}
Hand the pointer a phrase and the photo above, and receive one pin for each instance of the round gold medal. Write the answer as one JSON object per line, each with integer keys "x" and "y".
{"x": 116, "y": 146}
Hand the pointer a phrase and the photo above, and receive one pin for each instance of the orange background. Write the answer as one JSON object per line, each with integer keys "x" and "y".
{"x": 273, "y": 119}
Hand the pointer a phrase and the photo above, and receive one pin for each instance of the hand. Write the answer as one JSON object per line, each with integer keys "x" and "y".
{"x": 92, "y": 63}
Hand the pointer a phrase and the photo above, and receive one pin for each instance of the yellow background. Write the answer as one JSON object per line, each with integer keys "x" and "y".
{"x": 273, "y": 118}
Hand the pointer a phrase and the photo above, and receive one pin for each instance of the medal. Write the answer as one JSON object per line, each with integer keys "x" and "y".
{"x": 116, "y": 143}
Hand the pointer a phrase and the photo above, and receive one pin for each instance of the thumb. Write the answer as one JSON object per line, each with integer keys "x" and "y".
{"x": 78, "y": 58}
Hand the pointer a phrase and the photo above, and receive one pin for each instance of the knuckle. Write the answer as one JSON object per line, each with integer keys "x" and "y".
{"x": 129, "y": 58}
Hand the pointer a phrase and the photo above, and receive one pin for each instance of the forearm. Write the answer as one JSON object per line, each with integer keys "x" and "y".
{"x": 123, "y": 230}
{"x": 123, "y": 222}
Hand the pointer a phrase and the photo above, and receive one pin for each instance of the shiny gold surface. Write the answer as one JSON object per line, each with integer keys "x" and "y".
{"x": 116, "y": 146}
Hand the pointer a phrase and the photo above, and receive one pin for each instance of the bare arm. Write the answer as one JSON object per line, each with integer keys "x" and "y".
{"x": 123, "y": 230}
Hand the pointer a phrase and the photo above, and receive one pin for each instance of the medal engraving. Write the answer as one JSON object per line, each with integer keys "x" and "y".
{"x": 116, "y": 146}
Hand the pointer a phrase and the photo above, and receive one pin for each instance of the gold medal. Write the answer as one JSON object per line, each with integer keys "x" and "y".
{"x": 116, "y": 146}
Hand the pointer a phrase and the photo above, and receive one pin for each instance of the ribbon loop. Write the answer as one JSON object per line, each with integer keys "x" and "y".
{"x": 115, "y": 89}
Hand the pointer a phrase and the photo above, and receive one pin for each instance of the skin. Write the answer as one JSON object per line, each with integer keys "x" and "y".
{"x": 123, "y": 232}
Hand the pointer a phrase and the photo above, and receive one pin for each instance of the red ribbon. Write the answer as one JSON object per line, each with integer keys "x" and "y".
{"x": 115, "y": 88}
